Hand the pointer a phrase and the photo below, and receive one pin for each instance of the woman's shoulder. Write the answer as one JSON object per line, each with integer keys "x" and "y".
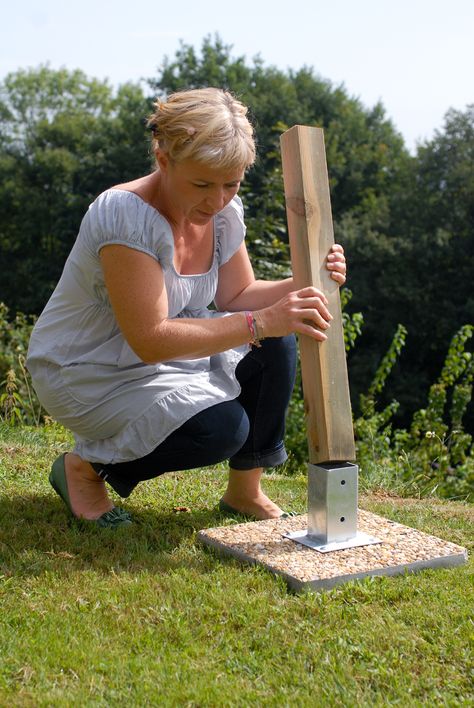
{"x": 121, "y": 216}
{"x": 231, "y": 218}
{"x": 234, "y": 208}
{"x": 125, "y": 193}
{"x": 116, "y": 198}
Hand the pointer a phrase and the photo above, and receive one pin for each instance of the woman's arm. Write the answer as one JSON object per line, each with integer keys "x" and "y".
{"x": 137, "y": 292}
{"x": 136, "y": 288}
{"x": 239, "y": 290}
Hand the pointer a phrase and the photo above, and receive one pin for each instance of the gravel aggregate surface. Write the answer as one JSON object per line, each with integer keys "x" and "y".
{"x": 401, "y": 549}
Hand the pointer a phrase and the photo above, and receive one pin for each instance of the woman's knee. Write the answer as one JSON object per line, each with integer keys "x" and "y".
{"x": 275, "y": 359}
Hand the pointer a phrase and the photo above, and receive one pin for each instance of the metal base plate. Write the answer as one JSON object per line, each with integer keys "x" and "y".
{"x": 361, "y": 539}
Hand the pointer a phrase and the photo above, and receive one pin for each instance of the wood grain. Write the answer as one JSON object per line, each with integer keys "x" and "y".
{"x": 324, "y": 368}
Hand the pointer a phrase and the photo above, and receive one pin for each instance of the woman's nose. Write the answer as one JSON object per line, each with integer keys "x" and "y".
{"x": 217, "y": 199}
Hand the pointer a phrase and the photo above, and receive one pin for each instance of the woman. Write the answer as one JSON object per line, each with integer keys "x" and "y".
{"x": 127, "y": 354}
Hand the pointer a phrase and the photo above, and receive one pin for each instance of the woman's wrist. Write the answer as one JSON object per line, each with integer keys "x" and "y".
{"x": 258, "y": 322}
{"x": 255, "y": 327}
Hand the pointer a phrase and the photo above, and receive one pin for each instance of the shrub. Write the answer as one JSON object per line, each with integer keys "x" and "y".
{"x": 18, "y": 400}
{"x": 435, "y": 455}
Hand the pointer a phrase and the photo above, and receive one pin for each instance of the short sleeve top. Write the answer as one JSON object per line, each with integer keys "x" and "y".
{"x": 84, "y": 371}
{"x": 78, "y": 325}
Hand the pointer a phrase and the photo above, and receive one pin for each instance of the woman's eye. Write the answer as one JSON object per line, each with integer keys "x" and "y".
{"x": 205, "y": 185}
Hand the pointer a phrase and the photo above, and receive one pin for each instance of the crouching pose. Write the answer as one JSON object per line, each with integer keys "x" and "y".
{"x": 127, "y": 353}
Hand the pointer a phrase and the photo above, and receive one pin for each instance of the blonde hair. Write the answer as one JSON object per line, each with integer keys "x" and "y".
{"x": 208, "y": 125}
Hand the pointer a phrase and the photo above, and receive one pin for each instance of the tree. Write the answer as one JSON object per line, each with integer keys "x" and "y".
{"x": 420, "y": 265}
{"x": 362, "y": 145}
{"x": 63, "y": 139}
{"x": 406, "y": 222}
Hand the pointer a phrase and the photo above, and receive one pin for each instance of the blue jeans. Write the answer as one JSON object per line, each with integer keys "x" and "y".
{"x": 247, "y": 431}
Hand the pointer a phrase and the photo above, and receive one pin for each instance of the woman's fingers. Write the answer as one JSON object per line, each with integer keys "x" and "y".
{"x": 314, "y": 319}
{"x": 313, "y": 306}
{"x": 312, "y": 332}
{"x": 304, "y": 311}
{"x": 340, "y": 278}
{"x": 336, "y": 264}
{"x": 310, "y": 291}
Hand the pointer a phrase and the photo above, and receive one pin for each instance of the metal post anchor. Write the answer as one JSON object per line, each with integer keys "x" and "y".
{"x": 332, "y": 509}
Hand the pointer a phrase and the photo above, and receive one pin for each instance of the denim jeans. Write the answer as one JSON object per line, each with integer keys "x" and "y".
{"x": 247, "y": 431}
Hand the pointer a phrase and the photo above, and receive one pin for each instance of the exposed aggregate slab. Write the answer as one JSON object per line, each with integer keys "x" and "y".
{"x": 402, "y": 549}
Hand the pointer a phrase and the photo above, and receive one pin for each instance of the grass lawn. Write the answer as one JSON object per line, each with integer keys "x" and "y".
{"x": 144, "y": 616}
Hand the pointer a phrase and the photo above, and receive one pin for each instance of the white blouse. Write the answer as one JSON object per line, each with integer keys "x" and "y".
{"x": 85, "y": 373}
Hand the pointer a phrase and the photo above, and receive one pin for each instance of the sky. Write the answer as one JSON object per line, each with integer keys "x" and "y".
{"x": 415, "y": 56}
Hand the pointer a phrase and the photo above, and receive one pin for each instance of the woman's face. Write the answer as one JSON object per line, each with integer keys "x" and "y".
{"x": 196, "y": 191}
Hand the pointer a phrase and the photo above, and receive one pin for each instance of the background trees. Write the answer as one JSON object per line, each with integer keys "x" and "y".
{"x": 406, "y": 221}
{"x": 63, "y": 139}
{"x": 418, "y": 268}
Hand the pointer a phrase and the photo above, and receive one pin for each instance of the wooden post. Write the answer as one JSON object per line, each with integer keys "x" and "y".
{"x": 324, "y": 369}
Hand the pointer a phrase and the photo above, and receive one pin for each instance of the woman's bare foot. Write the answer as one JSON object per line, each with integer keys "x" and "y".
{"x": 244, "y": 494}
{"x": 87, "y": 491}
{"x": 261, "y": 507}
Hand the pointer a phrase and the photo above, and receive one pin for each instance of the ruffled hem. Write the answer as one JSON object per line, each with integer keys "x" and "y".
{"x": 160, "y": 419}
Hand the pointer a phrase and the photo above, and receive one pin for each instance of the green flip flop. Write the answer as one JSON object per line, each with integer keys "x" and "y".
{"x": 228, "y": 509}
{"x": 110, "y": 519}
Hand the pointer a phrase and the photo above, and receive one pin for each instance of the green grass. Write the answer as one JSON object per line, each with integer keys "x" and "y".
{"x": 145, "y": 616}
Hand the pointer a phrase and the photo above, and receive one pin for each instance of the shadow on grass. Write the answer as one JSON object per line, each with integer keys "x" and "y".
{"x": 37, "y": 534}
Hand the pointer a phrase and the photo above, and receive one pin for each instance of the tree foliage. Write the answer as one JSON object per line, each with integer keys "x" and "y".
{"x": 418, "y": 268}
{"x": 405, "y": 221}
{"x": 362, "y": 145}
{"x": 63, "y": 139}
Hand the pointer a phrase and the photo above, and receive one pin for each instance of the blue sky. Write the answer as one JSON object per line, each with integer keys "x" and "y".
{"x": 416, "y": 56}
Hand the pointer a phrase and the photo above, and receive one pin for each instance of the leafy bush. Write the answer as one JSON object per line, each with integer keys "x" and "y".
{"x": 18, "y": 400}
{"x": 435, "y": 455}
{"x": 440, "y": 453}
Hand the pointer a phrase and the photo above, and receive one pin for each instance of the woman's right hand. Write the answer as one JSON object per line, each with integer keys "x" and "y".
{"x": 301, "y": 311}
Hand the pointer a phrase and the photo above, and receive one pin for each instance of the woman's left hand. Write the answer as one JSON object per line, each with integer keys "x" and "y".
{"x": 336, "y": 263}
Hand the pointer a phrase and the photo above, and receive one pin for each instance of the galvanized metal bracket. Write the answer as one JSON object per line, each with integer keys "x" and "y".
{"x": 332, "y": 509}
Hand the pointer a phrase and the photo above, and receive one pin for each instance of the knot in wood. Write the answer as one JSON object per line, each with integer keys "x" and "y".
{"x": 300, "y": 207}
